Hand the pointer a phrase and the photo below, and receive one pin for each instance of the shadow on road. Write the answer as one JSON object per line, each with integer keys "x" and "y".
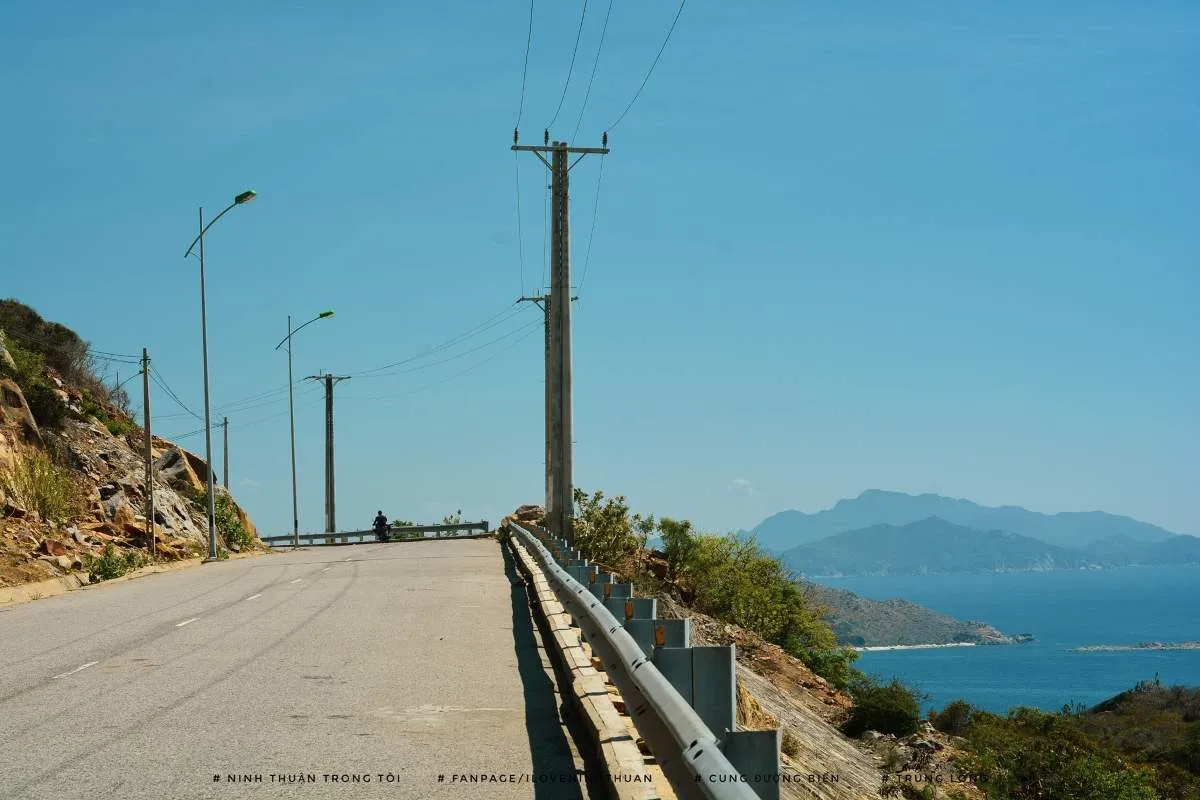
{"x": 553, "y": 764}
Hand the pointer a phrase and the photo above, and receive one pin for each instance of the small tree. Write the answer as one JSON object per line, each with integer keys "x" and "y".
{"x": 893, "y": 708}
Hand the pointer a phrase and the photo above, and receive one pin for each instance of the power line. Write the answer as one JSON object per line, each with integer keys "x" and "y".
{"x": 595, "y": 64}
{"x": 531, "y": 330}
{"x": 456, "y": 356}
{"x": 162, "y": 384}
{"x": 650, "y": 71}
{"x": 100, "y": 355}
{"x": 487, "y": 324}
{"x": 587, "y": 259}
{"x": 525, "y": 69}
{"x": 571, "y": 68}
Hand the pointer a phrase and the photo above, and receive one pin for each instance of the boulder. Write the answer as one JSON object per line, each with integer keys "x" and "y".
{"x": 53, "y": 547}
{"x": 13, "y": 510}
{"x": 64, "y": 562}
{"x": 122, "y": 516}
{"x": 176, "y": 468}
{"x": 529, "y": 513}
{"x": 14, "y": 411}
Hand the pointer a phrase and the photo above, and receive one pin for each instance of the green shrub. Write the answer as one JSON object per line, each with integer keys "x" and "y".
{"x": 679, "y": 543}
{"x": 893, "y": 708}
{"x": 229, "y": 526}
{"x": 607, "y": 533}
{"x": 1032, "y": 754}
{"x": 954, "y": 719}
{"x": 112, "y": 563}
{"x": 38, "y": 484}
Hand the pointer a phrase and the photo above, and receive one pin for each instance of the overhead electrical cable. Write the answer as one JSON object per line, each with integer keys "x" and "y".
{"x": 456, "y": 356}
{"x": 650, "y": 71}
{"x": 571, "y": 68}
{"x": 587, "y": 259}
{"x": 525, "y": 69}
{"x": 595, "y": 64}
{"x": 487, "y": 324}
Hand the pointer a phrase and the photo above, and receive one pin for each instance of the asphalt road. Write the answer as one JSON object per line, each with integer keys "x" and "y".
{"x": 408, "y": 665}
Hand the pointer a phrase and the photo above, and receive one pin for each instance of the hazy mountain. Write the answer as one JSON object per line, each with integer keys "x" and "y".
{"x": 926, "y": 546}
{"x": 1121, "y": 551}
{"x": 1072, "y": 529}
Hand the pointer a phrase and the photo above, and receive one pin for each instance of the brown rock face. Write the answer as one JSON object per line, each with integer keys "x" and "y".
{"x": 14, "y": 410}
{"x": 175, "y": 467}
{"x": 53, "y": 547}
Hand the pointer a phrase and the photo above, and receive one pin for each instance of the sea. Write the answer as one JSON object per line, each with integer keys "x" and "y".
{"x": 1063, "y": 610}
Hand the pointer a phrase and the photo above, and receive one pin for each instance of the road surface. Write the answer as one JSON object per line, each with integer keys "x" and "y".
{"x": 402, "y": 670}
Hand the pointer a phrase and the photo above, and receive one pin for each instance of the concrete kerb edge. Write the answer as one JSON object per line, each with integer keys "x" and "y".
{"x": 618, "y": 753}
{"x": 40, "y": 590}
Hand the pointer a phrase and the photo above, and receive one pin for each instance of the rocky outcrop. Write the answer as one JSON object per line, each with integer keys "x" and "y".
{"x": 15, "y": 413}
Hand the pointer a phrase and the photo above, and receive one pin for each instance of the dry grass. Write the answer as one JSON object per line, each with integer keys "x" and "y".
{"x": 36, "y": 483}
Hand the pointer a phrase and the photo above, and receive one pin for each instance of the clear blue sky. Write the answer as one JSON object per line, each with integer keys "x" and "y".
{"x": 947, "y": 247}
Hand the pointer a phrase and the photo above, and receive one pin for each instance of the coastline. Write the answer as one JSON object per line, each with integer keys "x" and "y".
{"x": 879, "y": 647}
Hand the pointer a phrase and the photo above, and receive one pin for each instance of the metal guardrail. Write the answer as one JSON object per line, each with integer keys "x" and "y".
{"x": 397, "y": 534}
{"x": 713, "y": 761}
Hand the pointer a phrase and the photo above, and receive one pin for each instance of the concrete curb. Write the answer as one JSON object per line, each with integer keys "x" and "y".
{"x": 39, "y": 590}
{"x": 626, "y": 777}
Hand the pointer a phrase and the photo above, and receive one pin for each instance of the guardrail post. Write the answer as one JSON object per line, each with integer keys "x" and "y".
{"x": 755, "y": 754}
{"x": 705, "y": 677}
{"x": 632, "y": 607}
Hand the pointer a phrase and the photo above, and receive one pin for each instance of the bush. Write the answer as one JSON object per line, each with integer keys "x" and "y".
{"x": 954, "y": 719}
{"x": 113, "y": 564}
{"x": 893, "y": 708}
{"x": 60, "y": 347}
{"x": 38, "y": 484}
{"x": 229, "y": 525}
{"x": 679, "y": 543}
{"x": 1032, "y": 754}
{"x": 606, "y": 532}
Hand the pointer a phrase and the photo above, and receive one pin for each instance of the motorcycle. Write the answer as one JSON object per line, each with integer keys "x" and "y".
{"x": 383, "y": 532}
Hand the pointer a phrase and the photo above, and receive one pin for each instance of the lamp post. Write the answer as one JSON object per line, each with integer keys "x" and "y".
{"x": 241, "y": 199}
{"x": 292, "y": 418}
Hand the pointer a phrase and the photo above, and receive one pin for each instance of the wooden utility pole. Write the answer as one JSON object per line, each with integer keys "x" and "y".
{"x": 225, "y": 451}
{"x": 558, "y": 313}
{"x": 149, "y": 453}
{"x": 330, "y": 494}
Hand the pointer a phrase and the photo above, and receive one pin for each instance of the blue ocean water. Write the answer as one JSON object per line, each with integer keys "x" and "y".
{"x": 1063, "y": 609}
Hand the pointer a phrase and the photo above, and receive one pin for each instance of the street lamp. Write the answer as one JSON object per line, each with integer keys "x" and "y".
{"x": 241, "y": 199}
{"x": 292, "y": 418}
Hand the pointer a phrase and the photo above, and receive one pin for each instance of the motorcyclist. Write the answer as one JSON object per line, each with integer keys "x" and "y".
{"x": 381, "y": 526}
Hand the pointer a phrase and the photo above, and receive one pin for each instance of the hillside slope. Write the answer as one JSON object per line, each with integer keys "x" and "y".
{"x": 859, "y": 622}
{"x": 72, "y": 474}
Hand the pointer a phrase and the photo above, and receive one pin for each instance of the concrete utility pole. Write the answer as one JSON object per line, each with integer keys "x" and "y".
{"x": 543, "y": 302}
{"x": 330, "y": 505}
{"x": 558, "y": 312}
{"x": 225, "y": 452}
{"x": 149, "y": 453}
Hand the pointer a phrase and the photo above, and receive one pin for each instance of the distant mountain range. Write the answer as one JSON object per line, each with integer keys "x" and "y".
{"x": 882, "y": 532}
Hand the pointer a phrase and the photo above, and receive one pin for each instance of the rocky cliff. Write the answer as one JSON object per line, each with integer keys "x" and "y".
{"x": 71, "y": 488}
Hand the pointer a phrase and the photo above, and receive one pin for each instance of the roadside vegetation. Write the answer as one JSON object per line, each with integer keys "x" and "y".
{"x": 1143, "y": 744}
{"x": 36, "y": 344}
{"x": 113, "y": 563}
{"x": 728, "y": 578}
{"x": 38, "y": 484}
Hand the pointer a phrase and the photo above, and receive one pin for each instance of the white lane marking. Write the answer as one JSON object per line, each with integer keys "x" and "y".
{"x": 186, "y": 622}
{"x": 325, "y": 570}
{"x": 77, "y": 669}
{"x": 254, "y": 596}
{"x": 296, "y": 581}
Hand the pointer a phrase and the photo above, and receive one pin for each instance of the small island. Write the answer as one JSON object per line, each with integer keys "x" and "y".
{"x": 1121, "y": 648}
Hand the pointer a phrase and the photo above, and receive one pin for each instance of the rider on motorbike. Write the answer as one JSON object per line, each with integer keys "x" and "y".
{"x": 381, "y": 526}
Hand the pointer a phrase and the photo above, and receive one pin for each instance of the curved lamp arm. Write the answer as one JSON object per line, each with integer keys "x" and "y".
{"x": 244, "y": 197}
{"x": 322, "y": 315}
